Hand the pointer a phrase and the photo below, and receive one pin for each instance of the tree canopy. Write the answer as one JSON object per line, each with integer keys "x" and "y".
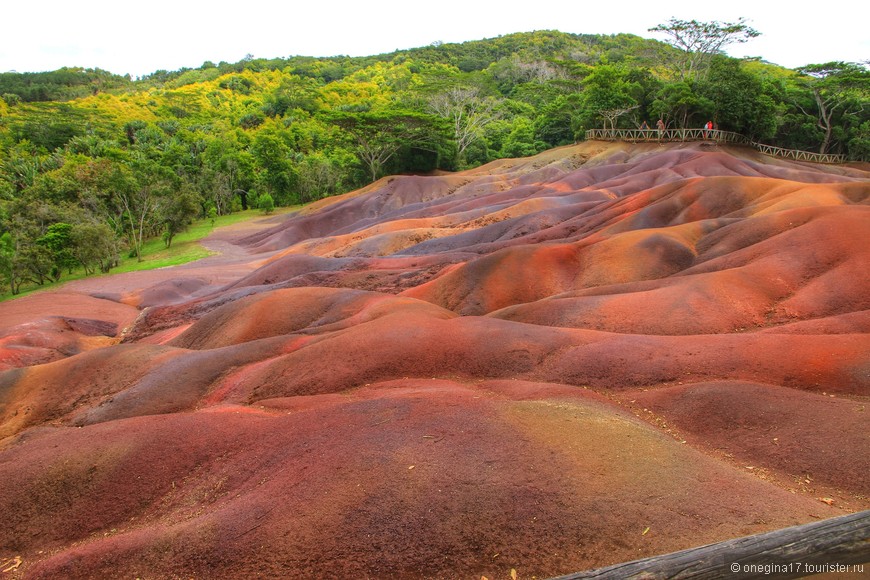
{"x": 698, "y": 41}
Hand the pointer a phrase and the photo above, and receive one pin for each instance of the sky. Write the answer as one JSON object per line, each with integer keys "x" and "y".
{"x": 143, "y": 37}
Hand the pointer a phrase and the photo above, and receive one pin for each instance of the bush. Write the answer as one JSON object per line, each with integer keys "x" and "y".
{"x": 266, "y": 204}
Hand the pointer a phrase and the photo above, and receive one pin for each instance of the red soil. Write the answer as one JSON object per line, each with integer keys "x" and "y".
{"x": 547, "y": 364}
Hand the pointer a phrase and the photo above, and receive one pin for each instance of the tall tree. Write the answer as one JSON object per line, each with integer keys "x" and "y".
{"x": 94, "y": 244}
{"x": 58, "y": 241}
{"x": 379, "y": 136}
{"x": 228, "y": 171}
{"x": 467, "y": 110}
{"x": 10, "y": 265}
{"x": 319, "y": 176}
{"x": 739, "y": 101}
{"x": 277, "y": 174}
{"x": 142, "y": 197}
{"x": 29, "y": 260}
{"x": 840, "y": 90}
{"x": 698, "y": 41}
{"x": 608, "y": 94}
{"x": 177, "y": 211}
{"x": 680, "y": 104}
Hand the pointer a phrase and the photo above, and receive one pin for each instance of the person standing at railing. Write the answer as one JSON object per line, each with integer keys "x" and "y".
{"x": 660, "y": 127}
{"x": 707, "y": 128}
{"x": 644, "y": 129}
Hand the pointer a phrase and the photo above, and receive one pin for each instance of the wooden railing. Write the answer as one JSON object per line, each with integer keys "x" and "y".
{"x": 840, "y": 544}
{"x": 800, "y": 155}
{"x": 667, "y": 135}
{"x": 728, "y": 137}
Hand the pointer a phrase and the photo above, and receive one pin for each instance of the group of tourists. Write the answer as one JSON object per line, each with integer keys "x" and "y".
{"x": 709, "y": 127}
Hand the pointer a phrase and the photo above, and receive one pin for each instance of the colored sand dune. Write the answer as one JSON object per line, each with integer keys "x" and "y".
{"x": 601, "y": 353}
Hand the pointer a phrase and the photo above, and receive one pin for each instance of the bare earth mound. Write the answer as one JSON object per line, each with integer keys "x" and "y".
{"x": 604, "y": 352}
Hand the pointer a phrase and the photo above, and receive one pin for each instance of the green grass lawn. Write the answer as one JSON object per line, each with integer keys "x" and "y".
{"x": 185, "y": 248}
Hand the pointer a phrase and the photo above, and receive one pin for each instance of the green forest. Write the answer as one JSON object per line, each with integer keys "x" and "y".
{"x": 93, "y": 165}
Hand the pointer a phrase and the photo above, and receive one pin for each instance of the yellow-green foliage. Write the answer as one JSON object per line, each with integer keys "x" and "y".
{"x": 120, "y": 108}
{"x": 356, "y": 93}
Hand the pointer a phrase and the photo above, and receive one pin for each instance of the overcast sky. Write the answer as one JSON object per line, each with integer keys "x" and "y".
{"x": 142, "y": 37}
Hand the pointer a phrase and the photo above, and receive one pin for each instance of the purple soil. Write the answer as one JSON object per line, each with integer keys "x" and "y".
{"x": 600, "y": 353}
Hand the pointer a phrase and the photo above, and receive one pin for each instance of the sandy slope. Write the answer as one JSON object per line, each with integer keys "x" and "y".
{"x": 549, "y": 364}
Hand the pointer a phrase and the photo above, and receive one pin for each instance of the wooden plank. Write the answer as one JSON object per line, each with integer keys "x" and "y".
{"x": 787, "y": 553}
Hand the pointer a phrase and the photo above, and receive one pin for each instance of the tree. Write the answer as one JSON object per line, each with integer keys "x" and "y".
{"x": 292, "y": 93}
{"x": 176, "y": 211}
{"x": 228, "y": 170}
{"x": 739, "y": 101}
{"x": 277, "y": 173}
{"x": 379, "y": 135}
{"x": 608, "y": 94}
{"x": 21, "y": 165}
{"x": 840, "y": 90}
{"x": 859, "y": 145}
{"x": 94, "y": 244}
{"x": 32, "y": 262}
{"x": 141, "y": 199}
{"x": 31, "y": 257}
{"x": 102, "y": 183}
{"x": 556, "y": 122}
{"x": 10, "y": 267}
{"x": 319, "y": 176}
{"x": 520, "y": 142}
{"x": 698, "y": 41}
{"x": 467, "y": 110}
{"x": 679, "y": 103}
{"x": 57, "y": 240}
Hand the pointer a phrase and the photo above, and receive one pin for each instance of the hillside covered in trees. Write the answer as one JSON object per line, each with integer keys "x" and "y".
{"x": 92, "y": 164}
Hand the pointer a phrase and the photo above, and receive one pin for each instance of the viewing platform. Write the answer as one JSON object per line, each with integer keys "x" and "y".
{"x": 715, "y": 135}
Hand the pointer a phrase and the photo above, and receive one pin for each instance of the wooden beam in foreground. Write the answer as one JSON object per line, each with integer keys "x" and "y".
{"x": 840, "y": 544}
